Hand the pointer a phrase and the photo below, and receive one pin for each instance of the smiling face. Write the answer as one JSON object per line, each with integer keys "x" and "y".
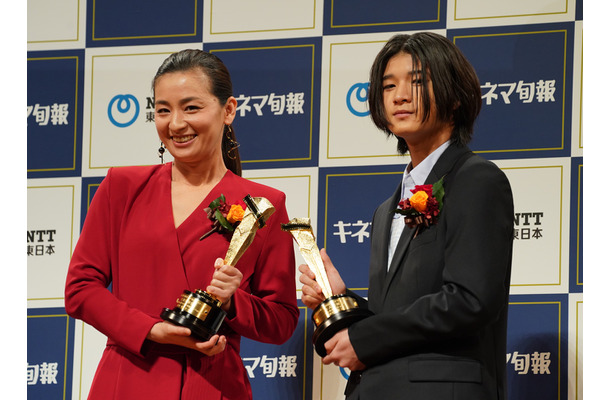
{"x": 190, "y": 120}
{"x": 402, "y": 98}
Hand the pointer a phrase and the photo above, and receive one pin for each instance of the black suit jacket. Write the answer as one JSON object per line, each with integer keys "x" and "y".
{"x": 439, "y": 329}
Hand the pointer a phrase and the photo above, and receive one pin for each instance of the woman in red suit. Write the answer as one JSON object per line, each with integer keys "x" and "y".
{"x": 142, "y": 235}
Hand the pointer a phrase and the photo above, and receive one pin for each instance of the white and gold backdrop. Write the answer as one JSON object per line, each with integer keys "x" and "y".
{"x": 300, "y": 75}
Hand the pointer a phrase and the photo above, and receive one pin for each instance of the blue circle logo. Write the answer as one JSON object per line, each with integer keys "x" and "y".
{"x": 123, "y": 110}
{"x": 356, "y": 99}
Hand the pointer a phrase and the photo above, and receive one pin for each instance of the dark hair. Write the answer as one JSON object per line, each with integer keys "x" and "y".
{"x": 221, "y": 88}
{"x": 455, "y": 84}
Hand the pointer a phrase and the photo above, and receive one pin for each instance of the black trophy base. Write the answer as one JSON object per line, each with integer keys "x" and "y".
{"x": 201, "y": 328}
{"x": 336, "y": 321}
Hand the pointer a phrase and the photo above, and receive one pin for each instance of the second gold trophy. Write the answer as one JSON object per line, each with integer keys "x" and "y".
{"x": 336, "y": 312}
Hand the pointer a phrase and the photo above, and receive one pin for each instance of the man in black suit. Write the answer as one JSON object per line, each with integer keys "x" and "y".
{"x": 439, "y": 279}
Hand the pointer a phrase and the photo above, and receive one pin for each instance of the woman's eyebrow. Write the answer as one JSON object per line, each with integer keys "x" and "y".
{"x": 182, "y": 101}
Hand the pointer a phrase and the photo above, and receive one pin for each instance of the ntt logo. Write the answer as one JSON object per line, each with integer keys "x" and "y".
{"x": 356, "y": 99}
{"x": 123, "y": 110}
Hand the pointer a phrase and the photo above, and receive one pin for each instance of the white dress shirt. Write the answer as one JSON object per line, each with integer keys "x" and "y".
{"x": 410, "y": 178}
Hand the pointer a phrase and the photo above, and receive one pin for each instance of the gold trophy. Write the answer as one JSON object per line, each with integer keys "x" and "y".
{"x": 200, "y": 311}
{"x": 336, "y": 311}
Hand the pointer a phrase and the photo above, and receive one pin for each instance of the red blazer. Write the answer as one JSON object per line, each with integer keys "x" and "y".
{"x": 129, "y": 240}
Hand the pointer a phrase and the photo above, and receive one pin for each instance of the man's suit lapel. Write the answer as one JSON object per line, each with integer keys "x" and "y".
{"x": 401, "y": 249}
{"x": 446, "y": 162}
{"x": 442, "y": 167}
{"x": 379, "y": 250}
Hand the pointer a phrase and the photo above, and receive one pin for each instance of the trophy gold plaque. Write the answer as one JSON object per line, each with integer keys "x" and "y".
{"x": 336, "y": 311}
{"x": 200, "y": 311}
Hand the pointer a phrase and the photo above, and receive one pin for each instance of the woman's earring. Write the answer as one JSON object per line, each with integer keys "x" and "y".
{"x": 232, "y": 144}
{"x": 161, "y": 151}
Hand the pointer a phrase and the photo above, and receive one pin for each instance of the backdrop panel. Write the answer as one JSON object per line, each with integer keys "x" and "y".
{"x": 119, "y": 128}
{"x": 52, "y": 232}
{"x": 468, "y": 13}
{"x": 276, "y": 84}
{"x": 576, "y": 225}
{"x": 135, "y": 22}
{"x": 50, "y": 348}
{"x": 353, "y": 16}
{"x": 301, "y": 188}
{"x": 525, "y": 74}
{"x": 541, "y": 224}
{"x": 575, "y": 336}
{"x": 347, "y": 200}
{"x": 536, "y": 351}
{"x": 55, "y": 91}
{"x": 227, "y": 20}
{"x": 347, "y": 131}
{"x": 281, "y": 372}
{"x": 300, "y": 72}
{"x": 60, "y": 19}
{"x": 577, "y": 109}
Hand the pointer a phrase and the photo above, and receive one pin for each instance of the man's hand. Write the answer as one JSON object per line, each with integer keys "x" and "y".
{"x": 311, "y": 292}
{"x": 340, "y": 352}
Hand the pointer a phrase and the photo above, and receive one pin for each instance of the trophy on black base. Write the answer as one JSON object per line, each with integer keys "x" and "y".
{"x": 200, "y": 311}
{"x": 336, "y": 311}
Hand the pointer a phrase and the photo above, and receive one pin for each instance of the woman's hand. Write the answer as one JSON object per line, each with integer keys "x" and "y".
{"x": 168, "y": 333}
{"x": 311, "y": 292}
{"x": 224, "y": 284}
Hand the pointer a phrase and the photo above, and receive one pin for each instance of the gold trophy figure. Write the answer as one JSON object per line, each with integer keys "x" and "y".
{"x": 200, "y": 311}
{"x": 336, "y": 311}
